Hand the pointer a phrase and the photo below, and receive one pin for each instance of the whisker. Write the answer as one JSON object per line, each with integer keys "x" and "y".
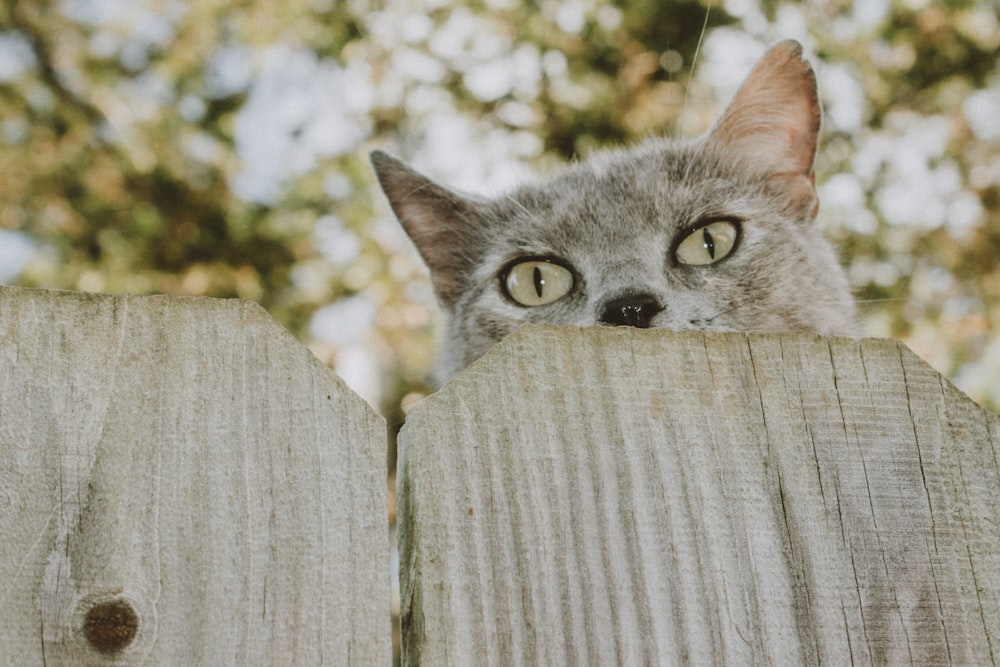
{"x": 687, "y": 90}
{"x": 887, "y": 300}
{"x": 694, "y": 64}
{"x": 709, "y": 320}
{"x": 521, "y": 207}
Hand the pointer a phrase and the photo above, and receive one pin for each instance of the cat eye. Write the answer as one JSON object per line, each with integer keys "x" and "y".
{"x": 536, "y": 282}
{"x": 708, "y": 244}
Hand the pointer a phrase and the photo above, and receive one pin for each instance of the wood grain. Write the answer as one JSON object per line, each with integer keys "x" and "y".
{"x": 621, "y": 496}
{"x": 185, "y": 461}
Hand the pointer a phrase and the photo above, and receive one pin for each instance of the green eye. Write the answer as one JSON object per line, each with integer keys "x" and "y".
{"x": 535, "y": 282}
{"x": 708, "y": 244}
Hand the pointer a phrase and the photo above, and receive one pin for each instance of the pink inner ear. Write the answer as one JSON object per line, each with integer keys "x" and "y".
{"x": 773, "y": 121}
{"x": 436, "y": 219}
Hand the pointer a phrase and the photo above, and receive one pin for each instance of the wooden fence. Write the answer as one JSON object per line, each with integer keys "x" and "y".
{"x": 181, "y": 482}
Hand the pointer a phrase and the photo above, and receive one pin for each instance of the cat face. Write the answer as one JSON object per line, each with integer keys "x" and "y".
{"x": 714, "y": 234}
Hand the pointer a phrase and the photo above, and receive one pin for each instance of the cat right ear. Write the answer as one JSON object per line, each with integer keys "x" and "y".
{"x": 773, "y": 122}
{"x": 439, "y": 222}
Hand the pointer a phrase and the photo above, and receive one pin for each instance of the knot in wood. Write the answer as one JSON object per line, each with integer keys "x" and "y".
{"x": 111, "y": 626}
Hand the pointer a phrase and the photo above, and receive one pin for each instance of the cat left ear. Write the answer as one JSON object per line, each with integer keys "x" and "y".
{"x": 773, "y": 124}
{"x": 439, "y": 222}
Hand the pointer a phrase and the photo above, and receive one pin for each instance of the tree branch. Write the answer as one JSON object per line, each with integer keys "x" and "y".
{"x": 47, "y": 71}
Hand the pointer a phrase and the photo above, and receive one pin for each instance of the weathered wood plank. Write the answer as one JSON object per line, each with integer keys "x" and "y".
{"x": 599, "y": 496}
{"x": 185, "y": 461}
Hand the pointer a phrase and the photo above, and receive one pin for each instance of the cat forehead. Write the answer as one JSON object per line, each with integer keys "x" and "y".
{"x": 656, "y": 166}
{"x": 606, "y": 191}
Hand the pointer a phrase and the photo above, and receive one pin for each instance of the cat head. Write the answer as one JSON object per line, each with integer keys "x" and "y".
{"x": 714, "y": 233}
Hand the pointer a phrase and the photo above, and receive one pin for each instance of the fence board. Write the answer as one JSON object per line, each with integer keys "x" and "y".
{"x": 181, "y": 482}
{"x": 599, "y": 496}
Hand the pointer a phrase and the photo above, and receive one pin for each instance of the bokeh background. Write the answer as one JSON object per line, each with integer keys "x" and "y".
{"x": 206, "y": 147}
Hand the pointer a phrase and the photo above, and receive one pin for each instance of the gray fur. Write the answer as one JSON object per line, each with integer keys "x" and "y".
{"x": 617, "y": 218}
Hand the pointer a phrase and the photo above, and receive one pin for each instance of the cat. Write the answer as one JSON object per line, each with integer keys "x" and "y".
{"x": 715, "y": 233}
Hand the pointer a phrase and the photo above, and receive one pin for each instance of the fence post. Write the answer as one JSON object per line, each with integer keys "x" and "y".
{"x": 182, "y": 483}
{"x": 622, "y": 496}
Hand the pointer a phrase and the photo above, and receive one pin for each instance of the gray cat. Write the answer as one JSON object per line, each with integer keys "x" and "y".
{"x": 714, "y": 233}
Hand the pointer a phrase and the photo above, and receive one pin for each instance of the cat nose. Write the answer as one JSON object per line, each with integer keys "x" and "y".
{"x": 634, "y": 310}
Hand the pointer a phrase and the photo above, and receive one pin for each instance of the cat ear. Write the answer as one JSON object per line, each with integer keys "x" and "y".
{"x": 773, "y": 123}
{"x": 439, "y": 221}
